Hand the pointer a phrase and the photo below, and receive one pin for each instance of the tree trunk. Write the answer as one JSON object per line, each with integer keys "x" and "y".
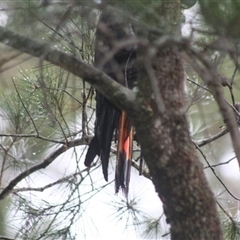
{"x": 170, "y": 155}
{"x": 167, "y": 148}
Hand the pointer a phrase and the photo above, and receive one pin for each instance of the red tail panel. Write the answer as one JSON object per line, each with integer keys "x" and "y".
{"x": 124, "y": 156}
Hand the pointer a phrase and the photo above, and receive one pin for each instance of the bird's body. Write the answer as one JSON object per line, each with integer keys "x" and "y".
{"x": 118, "y": 62}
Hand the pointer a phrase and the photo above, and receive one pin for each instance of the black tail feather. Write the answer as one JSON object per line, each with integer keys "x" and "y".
{"x": 124, "y": 157}
{"x": 121, "y": 68}
{"x": 107, "y": 126}
{"x": 93, "y": 150}
{"x": 107, "y": 116}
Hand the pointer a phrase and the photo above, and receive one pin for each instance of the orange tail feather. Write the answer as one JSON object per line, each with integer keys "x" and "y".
{"x": 124, "y": 156}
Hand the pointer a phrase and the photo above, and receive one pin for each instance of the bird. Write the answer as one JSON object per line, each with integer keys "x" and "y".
{"x": 112, "y": 123}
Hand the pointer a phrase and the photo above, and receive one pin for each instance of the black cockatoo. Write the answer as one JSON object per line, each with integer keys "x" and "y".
{"x": 112, "y": 123}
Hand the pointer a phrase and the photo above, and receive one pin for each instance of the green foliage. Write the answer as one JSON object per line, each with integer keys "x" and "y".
{"x": 231, "y": 229}
{"x": 40, "y": 99}
{"x": 155, "y": 13}
{"x": 188, "y": 3}
{"x": 21, "y": 14}
{"x": 56, "y": 218}
{"x": 57, "y": 23}
{"x": 222, "y": 15}
{"x": 153, "y": 228}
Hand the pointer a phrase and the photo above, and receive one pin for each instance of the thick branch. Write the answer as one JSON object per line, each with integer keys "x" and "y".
{"x": 119, "y": 95}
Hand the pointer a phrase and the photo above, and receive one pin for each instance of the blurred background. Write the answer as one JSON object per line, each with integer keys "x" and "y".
{"x": 66, "y": 200}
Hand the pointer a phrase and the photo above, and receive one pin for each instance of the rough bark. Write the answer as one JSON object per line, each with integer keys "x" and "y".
{"x": 176, "y": 171}
{"x": 167, "y": 148}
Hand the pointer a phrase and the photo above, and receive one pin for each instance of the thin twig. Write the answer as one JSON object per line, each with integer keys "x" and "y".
{"x": 208, "y": 73}
{"x": 6, "y": 191}
{"x": 204, "y": 142}
{"x": 31, "y": 136}
{"x": 25, "y": 108}
{"x": 214, "y": 173}
{"x": 139, "y": 168}
{"x": 95, "y": 77}
{"x": 222, "y": 163}
{"x": 222, "y": 208}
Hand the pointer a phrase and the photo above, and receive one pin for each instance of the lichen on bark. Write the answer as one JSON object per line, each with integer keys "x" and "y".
{"x": 176, "y": 171}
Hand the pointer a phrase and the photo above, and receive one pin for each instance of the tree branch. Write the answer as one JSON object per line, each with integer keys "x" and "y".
{"x": 203, "y": 142}
{"x": 208, "y": 73}
{"x": 59, "y": 181}
{"x": 31, "y": 136}
{"x": 115, "y": 92}
{"x": 47, "y": 161}
{"x": 215, "y": 174}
